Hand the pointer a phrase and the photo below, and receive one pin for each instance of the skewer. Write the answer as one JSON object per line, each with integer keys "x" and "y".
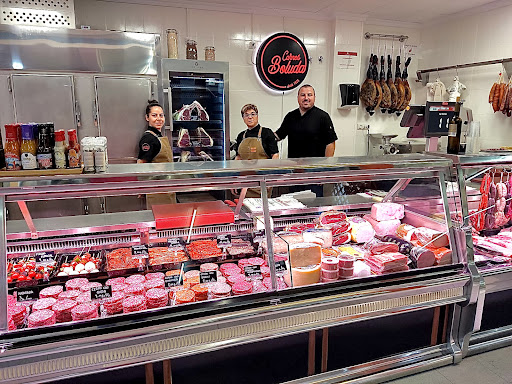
{"x": 191, "y": 225}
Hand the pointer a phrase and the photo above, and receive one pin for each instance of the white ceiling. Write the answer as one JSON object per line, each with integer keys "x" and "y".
{"x": 413, "y": 12}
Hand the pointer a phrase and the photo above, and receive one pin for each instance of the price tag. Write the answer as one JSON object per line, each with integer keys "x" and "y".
{"x": 140, "y": 251}
{"x": 208, "y": 277}
{"x": 45, "y": 257}
{"x": 224, "y": 241}
{"x": 258, "y": 235}
{"x": 172, "y": 281}
{"x": 281, "y": 266}
{"x": 252, "y": 271}
{"x": 104, "y": 292}
{"x": 174, "y": 242}
{"x": 27, "y": 294}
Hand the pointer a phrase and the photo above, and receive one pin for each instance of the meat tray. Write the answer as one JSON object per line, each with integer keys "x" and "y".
{"x": 67, "y": 258}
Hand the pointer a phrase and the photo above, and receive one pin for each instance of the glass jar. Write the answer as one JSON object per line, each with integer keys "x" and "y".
{"x": 209, "y": 53}
{"x": 191, "y": 50}
{"x": 172, "y": 44}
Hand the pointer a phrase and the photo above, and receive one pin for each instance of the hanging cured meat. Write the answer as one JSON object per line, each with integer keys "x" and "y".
{"x": 407, "y": 88}
{"x": 399, "y": 84}
{"x": 368, "y": 89}
{"x": 392, "y": 87}
{"x": 386, "y": 92}
{"x": 375, "y": 74}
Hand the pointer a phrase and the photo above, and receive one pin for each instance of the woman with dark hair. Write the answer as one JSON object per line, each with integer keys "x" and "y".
{"x": 155, "y": 148}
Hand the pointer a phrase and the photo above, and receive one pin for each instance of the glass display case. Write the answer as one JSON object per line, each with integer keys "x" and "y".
{"x": 485, "y": 184}
{"x": 85, "y": 293}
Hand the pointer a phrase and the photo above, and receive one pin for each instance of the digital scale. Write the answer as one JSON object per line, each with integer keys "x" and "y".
{"x": 431, "y": 121}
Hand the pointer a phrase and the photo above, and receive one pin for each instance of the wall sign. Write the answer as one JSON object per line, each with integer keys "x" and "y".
{"x": 282, "y": 62}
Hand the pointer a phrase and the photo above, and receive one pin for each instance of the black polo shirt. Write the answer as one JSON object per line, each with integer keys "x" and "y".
{"x": 149, "y": 145}
{"x": 268, "y": 139}
{"x": 308, "y": 134}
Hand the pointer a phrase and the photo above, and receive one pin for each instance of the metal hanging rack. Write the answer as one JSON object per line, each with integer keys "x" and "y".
{"x": 423, "y": 74}
{"x": 400, "y": 38}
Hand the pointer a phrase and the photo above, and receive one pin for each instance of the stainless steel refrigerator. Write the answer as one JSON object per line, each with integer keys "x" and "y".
{"x": 196, "y": 103}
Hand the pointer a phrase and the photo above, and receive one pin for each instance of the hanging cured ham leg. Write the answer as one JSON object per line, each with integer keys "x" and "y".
{"x": 386, "y": 92}
{"x": 407, "y": 88}
{"x": 368, "y": 89}
{"x": 392, "y": 88}
{"x": 399, "y": 84}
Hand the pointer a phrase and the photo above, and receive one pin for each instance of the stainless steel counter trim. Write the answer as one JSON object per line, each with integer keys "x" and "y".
{"x": 19, "y": 365}
{"x": 489, "y": 345}
{"x": 241, "y": 168}
{"x": 385, "y": 369}
{"x": 497, "y": 280}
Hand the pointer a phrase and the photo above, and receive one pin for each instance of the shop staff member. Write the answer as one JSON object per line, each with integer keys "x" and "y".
{"x": 310, "y": 133}
{"x": 256, "y": 142}
{"x": 155, "y": 148}
{"x": 309, "y": 129}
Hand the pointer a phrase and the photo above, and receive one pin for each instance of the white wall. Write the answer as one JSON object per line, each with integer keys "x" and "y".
{"x": 481, "y": 37}
{"x": 231, "y": 34}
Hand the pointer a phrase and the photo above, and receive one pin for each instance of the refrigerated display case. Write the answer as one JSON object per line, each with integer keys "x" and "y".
{"x": 226, "y": 283}
{"x": 484, "y": 184}
{"x": 197, "y": 108}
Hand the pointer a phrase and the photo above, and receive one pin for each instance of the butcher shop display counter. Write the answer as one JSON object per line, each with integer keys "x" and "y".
{"x": 93, "y": 292}
{"x": 485, "y": 183}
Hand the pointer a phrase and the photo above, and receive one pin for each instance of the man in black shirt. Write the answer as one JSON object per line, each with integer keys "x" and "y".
{"x": 310, "y": 133}
{"x": 309, "y": 129}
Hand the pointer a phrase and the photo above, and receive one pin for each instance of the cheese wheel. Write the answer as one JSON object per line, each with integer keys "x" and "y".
{"x": 305, "y": 254}
{"x": 306, "y": 275}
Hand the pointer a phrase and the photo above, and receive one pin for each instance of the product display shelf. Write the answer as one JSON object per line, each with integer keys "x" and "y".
{"x": 73, "y": 349}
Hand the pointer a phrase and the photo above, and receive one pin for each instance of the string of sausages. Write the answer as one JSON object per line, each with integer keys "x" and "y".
{"x": 500, "y": 96}
{"x": 495, "y": 207}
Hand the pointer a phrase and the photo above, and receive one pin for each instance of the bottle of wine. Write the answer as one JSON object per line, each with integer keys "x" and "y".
{"x": 454, "y": 131}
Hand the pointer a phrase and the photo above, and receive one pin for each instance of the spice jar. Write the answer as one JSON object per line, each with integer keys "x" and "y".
{"x": 28, "y": 147}
{"x": 172, "y": 44}
{"x": 209, "y": 53}
{"x": 191, "y": 50}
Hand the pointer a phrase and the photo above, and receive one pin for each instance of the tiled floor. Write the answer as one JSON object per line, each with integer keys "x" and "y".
{"x": 494, "y": 367}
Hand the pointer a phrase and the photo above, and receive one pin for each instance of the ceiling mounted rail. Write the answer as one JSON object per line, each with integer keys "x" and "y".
{"x": 423, "y": 74}
{"x": 400, "y": 38}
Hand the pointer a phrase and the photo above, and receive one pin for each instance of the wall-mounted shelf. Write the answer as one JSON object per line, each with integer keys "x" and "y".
{"x": 423, "y": 75}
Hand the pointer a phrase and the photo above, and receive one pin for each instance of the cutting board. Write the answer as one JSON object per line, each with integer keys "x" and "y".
{"x": 169, "y": 216}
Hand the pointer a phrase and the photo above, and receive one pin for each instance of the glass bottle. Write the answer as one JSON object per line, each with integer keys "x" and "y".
{"x": 59, "y": 151}
{"x": 73, "y": 150}
{"x": 209, "y": 53}
{"x": 2, "y": 154}
{"x": 44, "y": 150}
{"x": 28, "y": 147}
{"x": 172, "y": 44}
{"x": 191, "y": 49}
{"x": 454, "y": 130}
{"x": 12, "y": 148}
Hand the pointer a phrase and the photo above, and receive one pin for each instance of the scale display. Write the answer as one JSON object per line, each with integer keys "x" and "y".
{"x": 437, "y": 117}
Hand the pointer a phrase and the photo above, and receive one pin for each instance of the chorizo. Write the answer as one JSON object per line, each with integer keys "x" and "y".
{"x": 491, "y": 94}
